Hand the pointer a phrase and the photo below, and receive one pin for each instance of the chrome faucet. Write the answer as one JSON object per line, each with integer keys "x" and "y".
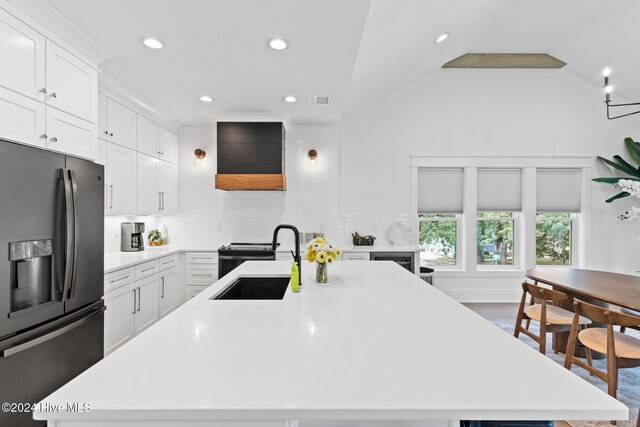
{"x": 296, "y": 257}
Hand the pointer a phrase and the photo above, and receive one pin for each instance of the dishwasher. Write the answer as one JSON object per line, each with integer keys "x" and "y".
{"x": 404, "y": 259}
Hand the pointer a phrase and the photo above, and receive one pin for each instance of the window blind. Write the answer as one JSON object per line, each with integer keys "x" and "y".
{"x": 558, "y": 190}
{"x": 440, "y": 190}
{"x": 500, "y": 190}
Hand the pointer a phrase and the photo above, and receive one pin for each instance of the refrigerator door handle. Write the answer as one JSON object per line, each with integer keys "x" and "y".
{"x": 51, "y": 335}
{"x": 69, "y": 229}
{"x": 76, "y": 231}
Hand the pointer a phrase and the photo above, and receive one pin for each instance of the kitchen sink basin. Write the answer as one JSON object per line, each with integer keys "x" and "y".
{"x": 255, "y": 288}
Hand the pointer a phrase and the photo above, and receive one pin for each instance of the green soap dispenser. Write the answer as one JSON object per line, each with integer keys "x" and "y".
{"x": 295, "y": 286}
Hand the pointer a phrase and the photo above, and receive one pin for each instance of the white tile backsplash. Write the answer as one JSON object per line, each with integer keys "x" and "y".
{"x": 311, "y": 202}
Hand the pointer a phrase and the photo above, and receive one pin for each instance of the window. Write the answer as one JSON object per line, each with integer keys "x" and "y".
{"x": 553, "y": 238}
{"x": 438, "y": 239}
{"x": 495, "y": 238}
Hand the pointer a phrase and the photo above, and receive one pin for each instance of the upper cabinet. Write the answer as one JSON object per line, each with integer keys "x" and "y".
{"x": 121, "y": 125}
{"x": 168, "y": 146}
{"x": 72, "y": 85}
{"x": 148, "y": 137}
{"x": 22, "y": 58}
{"x": 48, "y": 96}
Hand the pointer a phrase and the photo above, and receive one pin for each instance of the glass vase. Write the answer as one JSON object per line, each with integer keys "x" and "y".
{"x": 322, "y": 276}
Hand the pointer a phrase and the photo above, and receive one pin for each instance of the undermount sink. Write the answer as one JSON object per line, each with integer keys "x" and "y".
{"x": 255, "y": 288}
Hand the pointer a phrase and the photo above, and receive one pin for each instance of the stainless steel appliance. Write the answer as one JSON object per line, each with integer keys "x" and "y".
{"x": 51, "y": 273}
{"x": 232, "y": 255}
{"x": 404, "y": 259}
{"x": 131, "y": 239}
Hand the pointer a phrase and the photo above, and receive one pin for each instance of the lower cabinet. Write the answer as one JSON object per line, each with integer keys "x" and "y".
{"x": 146, "y": 310}
{"x": 119, "y": 324}
{"x": 201, "y": 271}
{"x": 169, "y": 289}
{"x": 356, "y": 256}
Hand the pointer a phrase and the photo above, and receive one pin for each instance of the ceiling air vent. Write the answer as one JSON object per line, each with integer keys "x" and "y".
{"x": 322, "y": 100}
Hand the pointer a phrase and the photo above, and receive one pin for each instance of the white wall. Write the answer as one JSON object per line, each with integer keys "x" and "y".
{"x": 487, "y": 113}
{"x": 361, "y": 179}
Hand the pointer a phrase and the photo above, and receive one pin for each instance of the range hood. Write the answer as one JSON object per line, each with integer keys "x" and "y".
{"x": 251, "y": 156}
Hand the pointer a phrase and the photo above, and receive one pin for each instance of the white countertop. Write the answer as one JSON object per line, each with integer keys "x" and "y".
{"x": 376, "y": 342}
{"x": 116, "y": 260}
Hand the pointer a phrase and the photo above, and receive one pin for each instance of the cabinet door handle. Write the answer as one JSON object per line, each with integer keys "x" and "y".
{"x": 43, "y": 136}
{"x": 139, "y": 299}
{"x": 54, "y": 139}
{"x": 111, "y": 191}
{"x": 111, "y": 134}
{"x": 53, "y": 95}
{"x": 134, "y": 302}
{"x": 147, "y": 269}
{"x": 162, "y": 192}
{"x": 159, "y": 200}
{"x": 43, "y": 90}
{"x": 162, "y": 296}
{"x": 106, "y": 132}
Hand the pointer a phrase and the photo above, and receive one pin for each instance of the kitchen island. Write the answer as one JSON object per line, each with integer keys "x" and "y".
{"x": 375, "y": 343}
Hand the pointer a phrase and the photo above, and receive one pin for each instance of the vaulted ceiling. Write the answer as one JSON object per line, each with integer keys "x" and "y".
{"x": 353, "y": 51}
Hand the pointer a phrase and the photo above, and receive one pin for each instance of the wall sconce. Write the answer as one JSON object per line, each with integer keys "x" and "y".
{"x": 200, "y": 154}
{"x": 312, "y": 155}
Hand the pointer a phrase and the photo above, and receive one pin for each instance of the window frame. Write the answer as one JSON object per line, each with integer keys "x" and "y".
{"x": 457, "y": 218}
{"x": 573, "y": 219}
{"x": 515, "y": 217}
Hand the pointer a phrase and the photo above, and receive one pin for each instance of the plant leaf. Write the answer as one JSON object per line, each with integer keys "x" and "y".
{"x": 613, "y": 180}
{"x": 626, "y": 169}
{"x": 618, "y": 196}
{"x": 623, "y": 162}
{"x": 633, "y": 148}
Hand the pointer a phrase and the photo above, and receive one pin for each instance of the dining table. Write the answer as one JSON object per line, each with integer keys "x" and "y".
{"x": 600, "y": 288}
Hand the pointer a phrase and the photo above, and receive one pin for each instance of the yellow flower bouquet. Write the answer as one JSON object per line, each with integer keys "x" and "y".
{"x": 323, "y": 252}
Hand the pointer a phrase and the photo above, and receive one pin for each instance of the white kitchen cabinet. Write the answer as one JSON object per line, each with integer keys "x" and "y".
{"x": 168, "y": 188}
{"x": 201, "y": 274}
{"x": 356, "y": 256}
{"x": 170, "y": 297}
{"x": 102, "y": 116}
{"x": 70, "y": 135}
{"x": 22, "y": 58}
{"x": 149, "y": 197}
{"x": 148, "y": 137}
{"x": 120, "y": 180}
{"x": 119, "y": 323}
{"x": 168, "y": 146}
{"x": 22, "y": 119}
{"x": 121, "y": 124}
{"x": 101, "y": 154}
{"x": 193, "y": 290}
{"x": 146, "y": 309}
{"x": 72, "y": 85}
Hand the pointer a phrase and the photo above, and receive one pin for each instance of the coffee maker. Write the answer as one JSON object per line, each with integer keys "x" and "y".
{"x": 131, "y": 236}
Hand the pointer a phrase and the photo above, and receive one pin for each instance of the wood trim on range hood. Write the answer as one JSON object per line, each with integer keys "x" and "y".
{"x": 247, "y": 182}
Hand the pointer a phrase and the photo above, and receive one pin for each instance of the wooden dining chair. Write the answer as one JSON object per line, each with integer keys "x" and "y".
{"x": 623, "y": 351}
{"x": 550, "y": 317}
{"x": 633, "y": 313}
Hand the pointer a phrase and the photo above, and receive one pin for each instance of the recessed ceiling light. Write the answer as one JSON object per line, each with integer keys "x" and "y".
{"x": 205, "y": 98}
{"x": 441, "y": 38}
{"x": 152, "y": 43}
{"x": 289, "y": 99}
{"x": 277, "y": 43}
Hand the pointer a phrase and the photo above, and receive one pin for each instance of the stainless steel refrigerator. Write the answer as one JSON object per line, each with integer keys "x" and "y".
{"x": 51, "y": 273}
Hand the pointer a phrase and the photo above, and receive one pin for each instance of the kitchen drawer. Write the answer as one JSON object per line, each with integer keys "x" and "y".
{"x": 356, "y": 256}
{"x": 193, "y": 290}
{"x": 145, "y": 270}
{"x": 201, "y": 274}
{"x": 117, "y": 279}
{"x": 168, "y": 262}
{"x": 202, "y": 257}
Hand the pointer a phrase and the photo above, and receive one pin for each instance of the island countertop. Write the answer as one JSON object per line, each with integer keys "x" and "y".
{"x": 376, "y": 342}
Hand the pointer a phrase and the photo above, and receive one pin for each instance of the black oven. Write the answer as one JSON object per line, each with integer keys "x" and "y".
{"x": 232, "y": 255}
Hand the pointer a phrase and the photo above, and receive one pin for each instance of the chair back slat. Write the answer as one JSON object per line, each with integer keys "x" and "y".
{"x": 624, "y": 319}
{"x": 605, "y": 315}
{"x": 543, "y": 293}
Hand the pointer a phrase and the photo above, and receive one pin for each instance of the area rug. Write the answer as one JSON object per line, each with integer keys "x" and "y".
{"x": 628, "y": 380}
